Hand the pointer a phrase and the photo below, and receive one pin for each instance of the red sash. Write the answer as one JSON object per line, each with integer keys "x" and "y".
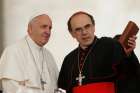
{"x": 102, "y": 87}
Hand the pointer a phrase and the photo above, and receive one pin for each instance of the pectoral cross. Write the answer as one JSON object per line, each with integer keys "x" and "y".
{"x": 42, "y": 83}
{"x": 80, "y": 78}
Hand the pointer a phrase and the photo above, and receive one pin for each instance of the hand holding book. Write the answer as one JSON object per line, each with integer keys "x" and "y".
{"x": 129, "y": 36}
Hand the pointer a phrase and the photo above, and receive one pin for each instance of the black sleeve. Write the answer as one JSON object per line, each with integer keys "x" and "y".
{"x": 118, "y": 52}
{"x": 129, "y": 75}
{"x": 130, "y": 66}
{"x": 114, "y": 49}
{"x": 62, "y": 79}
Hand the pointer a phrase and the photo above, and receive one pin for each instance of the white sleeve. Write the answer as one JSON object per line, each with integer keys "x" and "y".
{"x": 11, "y": 86}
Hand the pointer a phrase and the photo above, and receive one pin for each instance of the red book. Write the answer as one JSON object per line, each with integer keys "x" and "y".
{"x": 130, "y": 30}
{"x": 101, "y": 87}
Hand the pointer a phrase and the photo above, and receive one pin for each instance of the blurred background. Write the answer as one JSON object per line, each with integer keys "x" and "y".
{"x": 111, "y": 17}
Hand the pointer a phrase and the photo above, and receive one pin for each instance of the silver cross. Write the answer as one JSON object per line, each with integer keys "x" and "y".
{"x": 80, "y": 79}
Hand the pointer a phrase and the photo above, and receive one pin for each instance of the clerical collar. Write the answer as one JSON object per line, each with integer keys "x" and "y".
{"x": 32, "y": 43}
{"x": 86, "y": 49}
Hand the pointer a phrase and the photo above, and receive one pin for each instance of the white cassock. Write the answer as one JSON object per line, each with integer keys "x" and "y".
{"x": 24, "y": 64}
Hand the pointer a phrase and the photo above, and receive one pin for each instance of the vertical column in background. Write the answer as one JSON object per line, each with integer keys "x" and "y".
{"x": 1, "y": 26}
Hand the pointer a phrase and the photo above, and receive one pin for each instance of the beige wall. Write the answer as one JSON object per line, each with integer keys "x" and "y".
{"x": 111, "y": 18}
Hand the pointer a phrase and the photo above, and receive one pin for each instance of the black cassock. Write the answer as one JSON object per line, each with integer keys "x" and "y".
{"x": 103, "y": 64}
{"x": 128, "y": 80}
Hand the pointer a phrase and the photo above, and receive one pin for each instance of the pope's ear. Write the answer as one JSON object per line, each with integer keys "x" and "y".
{"x": 29, "y": 29}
